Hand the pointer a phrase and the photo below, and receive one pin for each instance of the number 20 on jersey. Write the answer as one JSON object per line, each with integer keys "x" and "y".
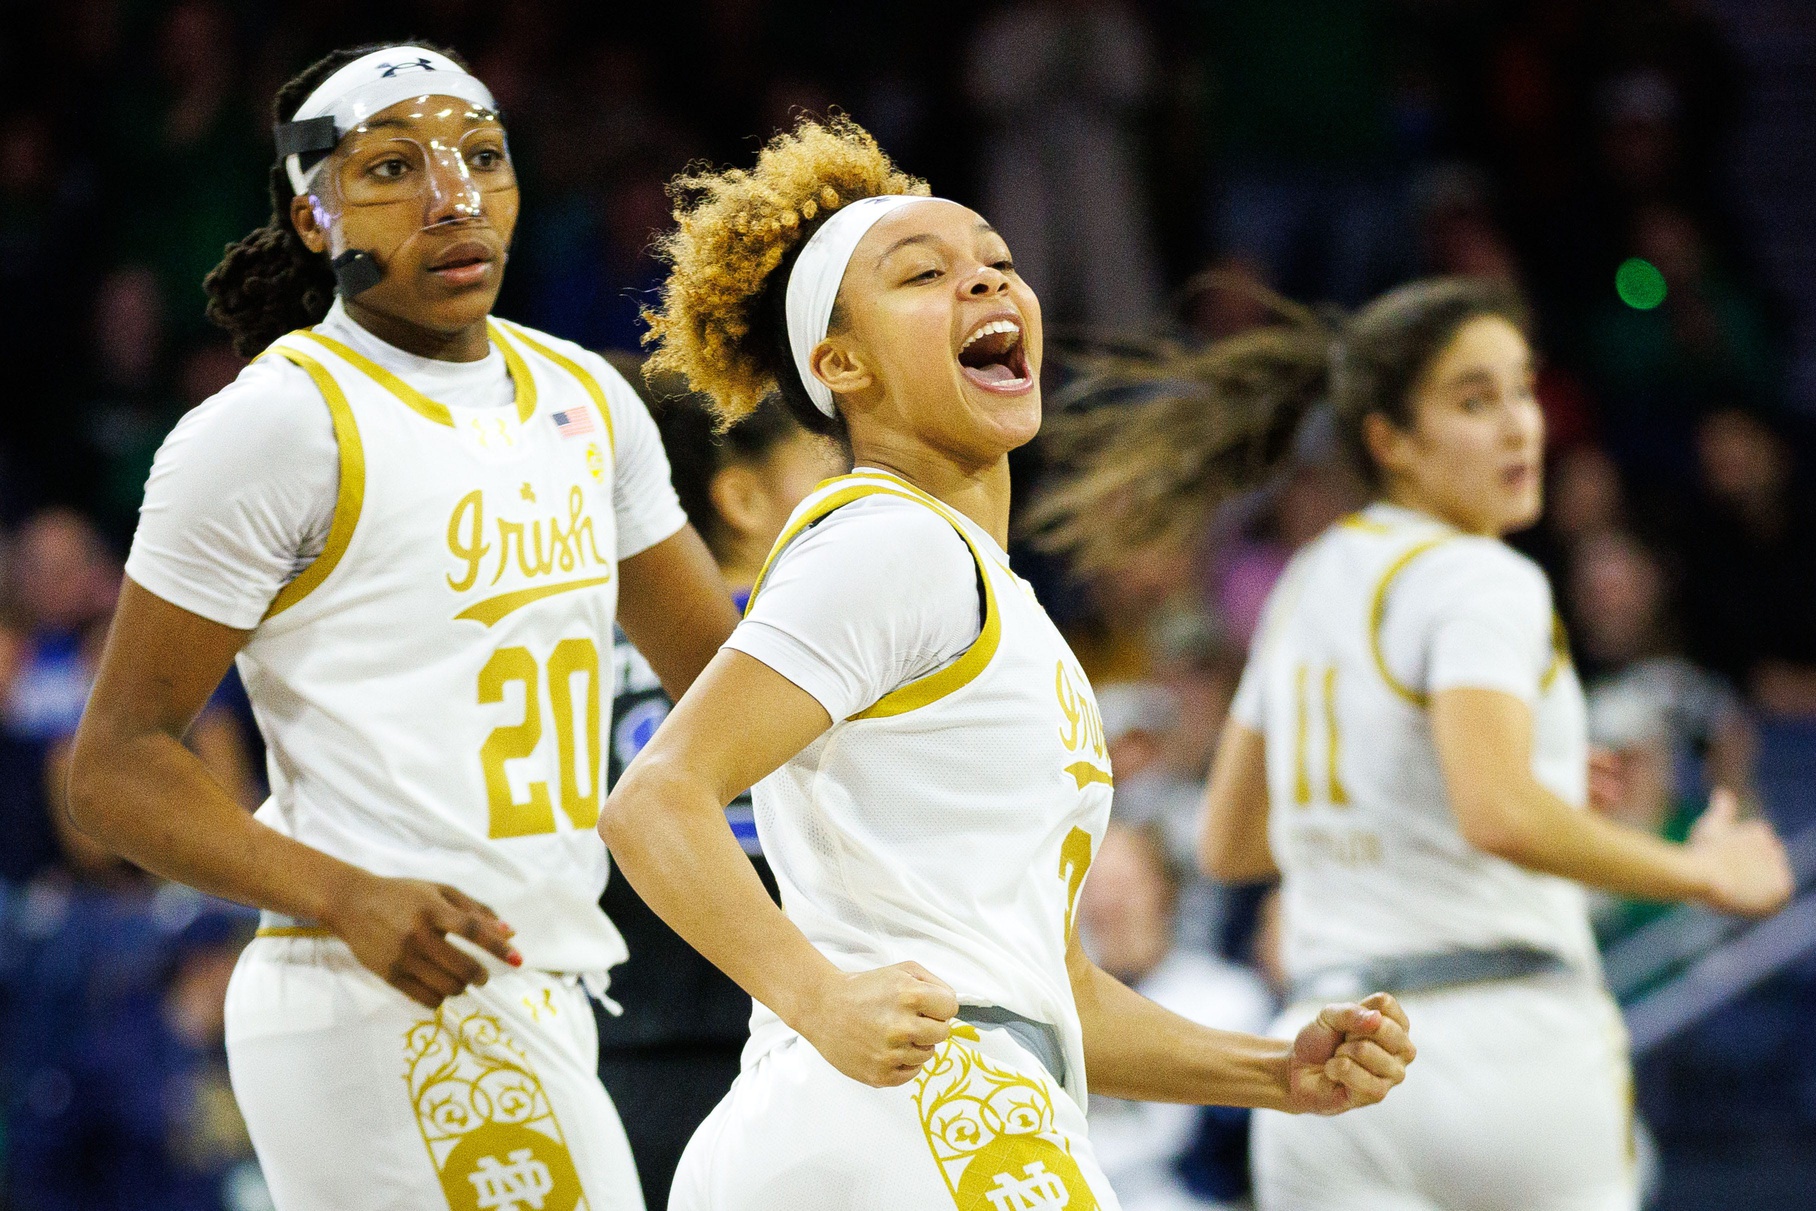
{"x": 576, "y": 719}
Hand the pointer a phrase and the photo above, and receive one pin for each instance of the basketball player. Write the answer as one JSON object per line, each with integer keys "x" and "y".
{"x": 413, "y": 527}
{"x": 1408, "y": 750}
{"x": 930, "y": 770}
{"x": 673, "y": 1052}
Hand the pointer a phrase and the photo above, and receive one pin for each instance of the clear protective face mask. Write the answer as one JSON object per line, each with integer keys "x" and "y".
{"x": 391, "y": 161}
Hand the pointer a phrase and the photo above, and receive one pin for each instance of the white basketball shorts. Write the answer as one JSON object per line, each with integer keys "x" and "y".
{"x": 359, "y": 1099}
{"x": 1520, "y": 1100}
{"x": 982, "y": 1128}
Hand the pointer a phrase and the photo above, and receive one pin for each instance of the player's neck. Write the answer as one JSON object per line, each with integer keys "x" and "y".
{"x": 980, "y": 493}
{"x": 468, "y": 344}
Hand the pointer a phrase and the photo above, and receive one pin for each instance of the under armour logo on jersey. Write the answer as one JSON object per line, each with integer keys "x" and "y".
{"x": 1035, "y": 1190}
{"x": 521, "y": 1185}
{"x": 391, "y": 69}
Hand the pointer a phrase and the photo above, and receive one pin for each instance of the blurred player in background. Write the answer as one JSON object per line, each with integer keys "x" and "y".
{"x": 413, "y": 527}
{"x": 673, "y": 1052}
{"x": 1408, "y": 747}
{"x": 934, "y": 781}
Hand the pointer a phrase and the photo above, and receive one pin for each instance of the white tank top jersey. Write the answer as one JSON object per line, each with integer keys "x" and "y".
{"x": 434, "y": 688}
{"x": 1371, "y": 618}
{"x": 950, "y": 821}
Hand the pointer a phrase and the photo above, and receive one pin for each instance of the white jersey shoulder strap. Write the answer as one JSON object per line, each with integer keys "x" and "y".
{"x": 842, "y": 490}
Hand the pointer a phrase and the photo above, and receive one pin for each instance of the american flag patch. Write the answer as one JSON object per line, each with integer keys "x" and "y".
{"x": 575, "y": 422}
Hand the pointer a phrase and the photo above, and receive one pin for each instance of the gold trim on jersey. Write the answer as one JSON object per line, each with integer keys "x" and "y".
{"x": 586, "y": 379}
{"x": 1363, "y": 522}
{"x": 416, "y": 401}
{"x": 492, "y": 609}
{"x": 293, "y": 931}
{"x": 348, "y": 499}
{"x": 1560, "y": 654}
{"x": 1377, "y": 613}
{"x": 962, "y": 672}
{"x": 1560, "y": 640}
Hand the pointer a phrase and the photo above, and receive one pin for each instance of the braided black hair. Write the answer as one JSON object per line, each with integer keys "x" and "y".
{"x": 698, "y": 449}
{"x": 269, "y": 283}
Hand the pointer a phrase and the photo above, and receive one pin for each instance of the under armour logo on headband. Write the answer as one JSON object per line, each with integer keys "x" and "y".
{"x": 391, "y": 69}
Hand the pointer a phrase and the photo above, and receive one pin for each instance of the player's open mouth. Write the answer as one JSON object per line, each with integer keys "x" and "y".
{"x": 993, "y": 357}
{"x": 464, "y": 264}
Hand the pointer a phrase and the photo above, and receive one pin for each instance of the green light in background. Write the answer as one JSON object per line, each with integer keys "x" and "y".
{"x": 1640, "y": 284}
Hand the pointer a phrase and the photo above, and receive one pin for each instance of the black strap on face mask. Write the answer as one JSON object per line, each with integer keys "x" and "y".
{"x": 310, "y": 140}
{"x": 304, "y": 137}
{"x": 356, "y": 272}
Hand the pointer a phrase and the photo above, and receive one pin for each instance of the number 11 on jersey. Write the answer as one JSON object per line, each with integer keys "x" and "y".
{"x": 1335, "y": 794}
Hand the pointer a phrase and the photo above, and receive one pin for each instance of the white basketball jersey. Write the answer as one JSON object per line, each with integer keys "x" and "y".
{"x": 435, "y": 688}
{"x": 952, "y": 822}
{"x": 1373, "y": 863}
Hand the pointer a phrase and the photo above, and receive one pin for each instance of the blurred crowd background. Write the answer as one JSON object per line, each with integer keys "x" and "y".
{"x": 1642, "y": 168}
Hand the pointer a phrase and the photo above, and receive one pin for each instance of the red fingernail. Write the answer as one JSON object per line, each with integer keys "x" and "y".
{"x": 514, "y": 959}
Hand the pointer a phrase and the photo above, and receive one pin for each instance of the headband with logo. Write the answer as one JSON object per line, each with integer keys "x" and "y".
{"x": 360, "y": 89}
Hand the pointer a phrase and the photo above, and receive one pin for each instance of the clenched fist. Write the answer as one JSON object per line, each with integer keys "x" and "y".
{"x": 1350, "y": 1056}
{"x": 880, "y": 1026}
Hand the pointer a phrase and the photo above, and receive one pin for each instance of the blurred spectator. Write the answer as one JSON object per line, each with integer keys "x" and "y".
{"x": 185, "y": 135}
{"x": 1626, "y": 635}
{"x": 1319, "y": 491}
{"x": 1302, "y": 124}
{"x": 1225, "y": 300}
{"x": 1584, "y": 496}
{"x": 1059, "y": 85}
{"x": 117, "y": 1066}
{"x": 130, "y": 406}
{"x": 1125, "y": 921}
{"x": 63, "y": 582}
{"x": 1750, "y": 563}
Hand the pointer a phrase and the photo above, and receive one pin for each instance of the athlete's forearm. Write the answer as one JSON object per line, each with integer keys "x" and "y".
{"x": 1134, "y": 1049}
{"x": 670, "y": 838}
{"x": 136, "y": 789}
{"x": 1540, "y": 832}
{"x": 1484, "y": 744}
{"x": 1232, "y": 838}
{"x": 152, "y": 801}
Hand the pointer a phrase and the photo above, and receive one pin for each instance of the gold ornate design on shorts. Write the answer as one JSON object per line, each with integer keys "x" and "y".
{"x": 488, "y": 1125}
{"x": 993, "y": 1134}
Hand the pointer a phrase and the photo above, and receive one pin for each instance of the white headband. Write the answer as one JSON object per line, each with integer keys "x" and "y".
{"x": 813, "y": 284}
{"x": 377, "y": 81}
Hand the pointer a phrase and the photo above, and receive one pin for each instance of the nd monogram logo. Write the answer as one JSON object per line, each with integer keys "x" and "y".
{"x": 477, "y": 1099}
{"x": 992, "y": 1131}
{"x": 520, "y": 1185}
{"x": 1035, "y": 1191}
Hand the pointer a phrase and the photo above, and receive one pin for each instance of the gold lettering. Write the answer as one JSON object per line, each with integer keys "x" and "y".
{"x": 1070, "y": 707}
{"x": 472, "y": 549}
{"x": 513, "y": 742}
{"x": 543, "y": 564}
{"x": 1339, "y": 794}
{"x": 575, "y": 736}
{"x": 538, "y": 546}
{"x": 1342, "y": 847}
{"x": 508, "y": 530}
{"x": 1302, "y": 779}
{"x": 578, "y": 521}
{"x": 1074, "y": 862}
